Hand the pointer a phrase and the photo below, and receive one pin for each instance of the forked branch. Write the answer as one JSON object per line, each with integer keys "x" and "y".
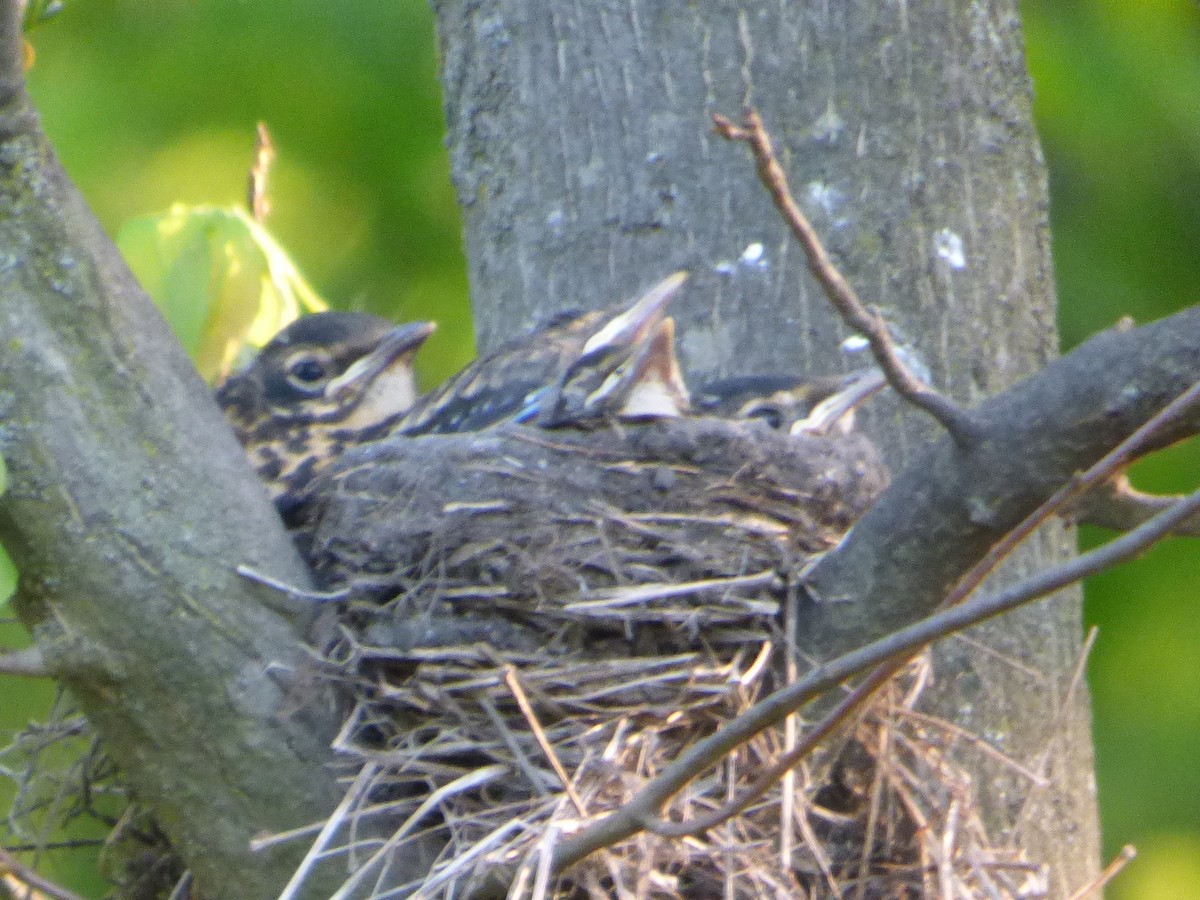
{"x": 1117, "y": 504}
{"x": 867, "y": 322}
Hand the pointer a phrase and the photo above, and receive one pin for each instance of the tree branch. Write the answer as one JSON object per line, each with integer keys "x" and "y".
{"x": 1117, "y": 504}
{"x": 942, "y": 513}
{"x": 843, "y": 297}
{"x": 1146, "y": 437}
{"x": 27, "y": 663}
{"x": 29, "y": 881}
{"x": 129, "y": 506}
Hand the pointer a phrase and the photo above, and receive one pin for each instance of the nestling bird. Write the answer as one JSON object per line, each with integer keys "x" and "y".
{"x": 650, "y": 385}
{"x": 791, "y": 403}
{"x": 577, "y": 367}
{"x": 325, "y": 382}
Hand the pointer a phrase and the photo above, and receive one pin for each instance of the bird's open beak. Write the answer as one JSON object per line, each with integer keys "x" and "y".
{"x": 652, "y": 384}
{"x": 605, "y": 362}
{"x": 835, "y": 412}
{"x": 401, "y": 340}
{"x": 640, "y": 320}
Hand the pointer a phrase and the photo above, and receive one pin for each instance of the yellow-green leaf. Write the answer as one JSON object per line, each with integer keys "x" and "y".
{"x": 8, "y": 577}
{"x": 221, "y": 280}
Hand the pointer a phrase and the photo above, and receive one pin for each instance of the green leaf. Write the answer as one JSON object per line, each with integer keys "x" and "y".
{"x": 8, "y": 578}
{"x": 219, "y": 277}
{"x": 38, "y": 12}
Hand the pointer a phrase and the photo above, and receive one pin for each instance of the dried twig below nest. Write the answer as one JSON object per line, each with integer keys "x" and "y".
{"x": 475, "y": 791}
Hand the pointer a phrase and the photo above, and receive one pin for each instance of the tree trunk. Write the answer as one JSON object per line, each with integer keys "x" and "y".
{"x": 587, "y": 169}
{"x": 129, "y": 507}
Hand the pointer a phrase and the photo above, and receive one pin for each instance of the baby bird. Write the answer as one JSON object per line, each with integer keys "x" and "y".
{"x": 577, "y": 368}
{"x": 792, "y": 403}
{"x": 326, "y": 382}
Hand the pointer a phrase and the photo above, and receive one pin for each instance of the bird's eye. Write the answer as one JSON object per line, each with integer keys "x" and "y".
{"x": 307, "y": 370}
{"x": 769, "y": 414}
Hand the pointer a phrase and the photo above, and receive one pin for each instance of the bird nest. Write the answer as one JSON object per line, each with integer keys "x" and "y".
{"x": 532, "y": 625}
{"x": 537, "y": 623}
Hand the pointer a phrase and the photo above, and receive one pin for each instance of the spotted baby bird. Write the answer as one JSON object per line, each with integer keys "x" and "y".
{"x": 791, "y": 403}
{"x": 576, "y": 369}
{"x": 646, "y": 383}
{"x": 326, "y": 382}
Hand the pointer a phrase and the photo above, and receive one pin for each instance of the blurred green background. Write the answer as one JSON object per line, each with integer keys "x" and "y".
{"x": 153, "y": 102}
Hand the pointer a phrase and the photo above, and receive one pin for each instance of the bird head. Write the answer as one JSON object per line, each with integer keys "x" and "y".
{"x": 791, "y": 403}
{"x": 648, "y": 384}
{"x": 326, "y": 380}
{"x": 626, "y": 368}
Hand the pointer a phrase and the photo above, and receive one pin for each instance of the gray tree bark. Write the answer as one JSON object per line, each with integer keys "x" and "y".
{"x": 129, "y": 506}
{"x": 587, "y": 169}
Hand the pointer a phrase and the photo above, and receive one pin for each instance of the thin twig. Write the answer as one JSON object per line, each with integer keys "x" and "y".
{"x": 355, "y": 793}
{"x": 889, "y": 654}
{"x": 545, "y": 855}
{"x": 642, "y": 594}
{"x": 30, "y": 878}
{"x": 946, "y": 862}
{"x": 974, "y": 740}
{"x": 789, "y": 759}
{"x": 1120, "y": 861}
{"x": 867, "y": 322}
{"x": 256, "y": 192}
{"x": 1085, "y": 653}
{"x": 820, "y": 854}
{"x": 1061, "y": 709}
{"x": 291, "y": 591}
{"x": 461, "y": 861}
{"x": 514, "y": 684}
{"x": 1031, "y": 672}
{"x": 468, "y": 782}
{"x": 43, "y": 846}
{"x": 883, "y": 755}
{"x": 536, "y": 782}
{"x": 791, "y": 726}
